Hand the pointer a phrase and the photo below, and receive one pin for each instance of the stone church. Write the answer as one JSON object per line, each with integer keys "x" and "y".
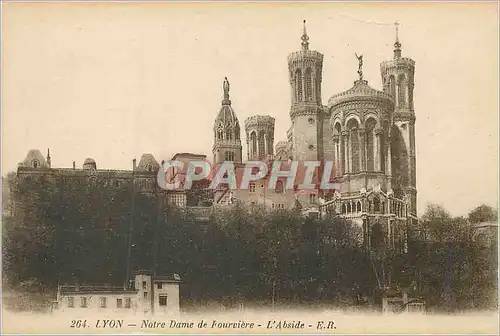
{"x": 367, "y": 133}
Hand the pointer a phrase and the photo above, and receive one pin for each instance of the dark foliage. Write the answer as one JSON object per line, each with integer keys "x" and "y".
{"x": 63, "y": 233}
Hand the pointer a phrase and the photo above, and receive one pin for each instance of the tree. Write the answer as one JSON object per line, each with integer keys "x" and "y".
{"x": 483, "y": 213}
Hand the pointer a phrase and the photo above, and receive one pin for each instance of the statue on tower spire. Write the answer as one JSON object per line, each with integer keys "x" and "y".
{"x": 305, "y": 38}
{"x": 397, "y": 44}
{"x": 360, "y": 65}
{"x": 225, "y": 88}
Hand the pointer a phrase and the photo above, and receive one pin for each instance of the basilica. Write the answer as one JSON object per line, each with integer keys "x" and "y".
{"x": 368, "y": 134}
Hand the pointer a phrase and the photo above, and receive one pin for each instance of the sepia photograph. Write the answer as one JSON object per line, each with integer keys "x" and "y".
{"x": 249, "y": 167}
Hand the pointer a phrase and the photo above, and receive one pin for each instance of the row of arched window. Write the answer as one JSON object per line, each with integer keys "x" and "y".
{"x": 374, "y": 206}
{"x": 303, "y": 85}
{"x": 259, "y": 144}
{"x": 360, "y": 153}
{"x": 229, "y": 156}
{"x": 398, "y": 89}
{"x": 228, "y": 134}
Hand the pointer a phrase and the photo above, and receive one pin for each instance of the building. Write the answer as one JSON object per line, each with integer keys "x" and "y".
{"x": 368, "y": 134}
{"x": 149, "y": 295}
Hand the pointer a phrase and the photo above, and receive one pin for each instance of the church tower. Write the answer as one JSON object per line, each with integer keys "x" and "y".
{"x": 227, "y": 143}
{"x": 305, "y": 71}
{"x": 398, "y": 81}
{"x": 260, "y": 137}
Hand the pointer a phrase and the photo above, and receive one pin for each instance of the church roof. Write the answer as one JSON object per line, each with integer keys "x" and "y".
{"x": 360, "y": 91}
{"x": 148, "y": 163}
{"x": 34, "y": 155}
{"x": 226, "y": 116}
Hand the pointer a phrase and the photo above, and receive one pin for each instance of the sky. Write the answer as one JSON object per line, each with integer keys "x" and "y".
{"x": 112, "y": 81}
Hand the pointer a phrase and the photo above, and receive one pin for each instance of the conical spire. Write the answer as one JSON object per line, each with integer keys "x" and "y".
{"x": 305, "y": 38}
{"x": 397, "y": 44}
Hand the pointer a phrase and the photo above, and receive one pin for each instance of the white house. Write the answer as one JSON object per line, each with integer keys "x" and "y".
{"x": 150, "y": 295}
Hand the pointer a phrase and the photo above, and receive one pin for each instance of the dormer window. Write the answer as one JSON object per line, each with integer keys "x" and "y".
{"x": 149, "y": 168}
{"x": 35, "y": 163}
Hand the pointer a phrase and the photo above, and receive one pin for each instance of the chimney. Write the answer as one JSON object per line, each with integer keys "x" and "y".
{"x": 74, "y": 165}
{"x": 134, "y": 164}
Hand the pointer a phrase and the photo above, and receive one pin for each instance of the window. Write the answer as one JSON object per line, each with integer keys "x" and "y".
{"x": 35, "y": 163}
{"x": 163, "y": 300}
{"x": 144, "y": 285}
{"x": 149, "y": 168}
{"x": 359, "y": 207}
{"x": 262, "y": 145}
{"x": 376, "y": 205}
{"x": 312, "y": 198}
{"x": 298, "y": 83}
{"x": 71, "y": 302}
{"x": 160, "y": 286}
{"x": 308, "y": 82}
{"x": 128, "y": 303}
{"x": 251, "y": 186}
{"x": 119, "y": 303}
{"x": 279, "y": 187}
{"x": 253, "y": 140}
{"x": 83, "y": 302}
{"x": 103, "y": 302}
{"x": 145, "y": 295}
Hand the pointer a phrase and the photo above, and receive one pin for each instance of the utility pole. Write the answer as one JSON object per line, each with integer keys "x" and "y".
{"x": 155, "y": 238}
{"x": 130, "y": 230}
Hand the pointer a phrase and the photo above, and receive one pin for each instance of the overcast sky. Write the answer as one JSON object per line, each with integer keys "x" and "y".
{"x": 113, "y": 81}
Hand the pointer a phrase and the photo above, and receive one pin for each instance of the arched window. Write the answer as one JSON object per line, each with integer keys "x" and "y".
{"x": 358, "y": 207}
{"x": 149, "y": 168}
{"x": 344, "y": 209}
{"x": 392, "y": 86}
{"x": 382, "y": 207}
{"x": 35, "y": 163}
{"x": 298, "y": 83}
{"x": 253, "y": 139}
{"x": 219, "y": 134}
{"x": 349, "y": 208}
{"x": 261, "y": 144}
{"x": 370, "y": 127}
{"x": 237, "y": 133}
{"x": 308, "y": 84}
{"x": 401, "y": 90}
{"x": 228, "y": 135}
{"x": 279, "y": 187}
{"x": 376, "y": 205}
{"x": 352, "y": 126}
